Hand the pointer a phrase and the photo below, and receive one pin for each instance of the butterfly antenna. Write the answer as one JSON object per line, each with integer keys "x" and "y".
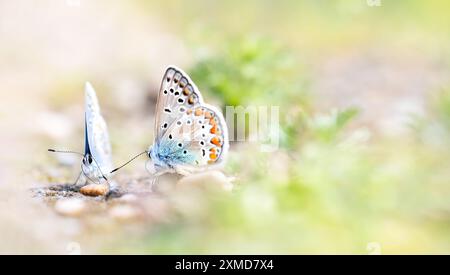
{"x": 65, "y": 151}
{"x": 133, "y": 158}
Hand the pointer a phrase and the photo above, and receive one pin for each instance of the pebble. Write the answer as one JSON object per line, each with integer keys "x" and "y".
{"x": 70, "y": 207}
{"x": 124, "y": 213}
{"x": 94, "y": 190}
{"x": 208, "y": 179}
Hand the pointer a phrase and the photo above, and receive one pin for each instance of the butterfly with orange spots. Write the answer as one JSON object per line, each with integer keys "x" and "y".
{"x": 190, "y": 135}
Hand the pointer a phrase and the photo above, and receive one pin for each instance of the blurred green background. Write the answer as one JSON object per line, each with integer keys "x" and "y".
{"x": 363, "y": 164}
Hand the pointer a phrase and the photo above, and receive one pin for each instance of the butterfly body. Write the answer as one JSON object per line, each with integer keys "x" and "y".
{"x": 97, "y": 160}
{"x": 167, "y": 155}
{"x": 190, "y": 134}
{"x": 97, "y": 157}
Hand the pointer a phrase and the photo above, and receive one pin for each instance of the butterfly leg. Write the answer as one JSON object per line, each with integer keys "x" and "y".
{"x": 78, "y": 178}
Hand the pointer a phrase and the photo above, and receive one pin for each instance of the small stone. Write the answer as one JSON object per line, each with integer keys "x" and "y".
{"x": 209, "y": 179}
{"x": 70, "y": 207}
{"x": 124, "y": 213}
{"x": 94, "y": 190}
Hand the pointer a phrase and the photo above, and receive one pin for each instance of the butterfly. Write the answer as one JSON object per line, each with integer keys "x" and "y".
{"x": 97, "y": 157}
{"x": 190, "y": 135}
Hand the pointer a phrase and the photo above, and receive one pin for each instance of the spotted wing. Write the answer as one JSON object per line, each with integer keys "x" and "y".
{"x": 96, "y": 132}
{"x": 177, "y": 94}
{"x": 191, "y": 134}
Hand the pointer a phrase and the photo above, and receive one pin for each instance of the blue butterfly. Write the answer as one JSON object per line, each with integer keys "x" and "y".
{"x": 190, "y": 135}
{"x": 97, "y": 157}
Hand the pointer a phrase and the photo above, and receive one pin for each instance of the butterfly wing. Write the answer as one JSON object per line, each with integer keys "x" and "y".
{"x": 96, "y": 132}
{"x": 190, "y": 133}
{"x": 176, "y": 95}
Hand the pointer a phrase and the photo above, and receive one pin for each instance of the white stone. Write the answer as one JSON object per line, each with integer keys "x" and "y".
{"x": 70, "y": 207}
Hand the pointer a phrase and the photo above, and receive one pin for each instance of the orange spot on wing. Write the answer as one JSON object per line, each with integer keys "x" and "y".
{"x": 213, "y": 156}
{"x": 213, "y": 129}
{"x": 191, "y": 100}
{"x": 198, "y": 112}
{"x": 186, "y": 91}
{"x": 208, "y": 115}
{"x": 216, "y": 141}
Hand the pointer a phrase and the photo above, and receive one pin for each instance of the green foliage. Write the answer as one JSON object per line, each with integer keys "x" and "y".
{"x": 327, "y": 127}
{"x": 250, "y": 71}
